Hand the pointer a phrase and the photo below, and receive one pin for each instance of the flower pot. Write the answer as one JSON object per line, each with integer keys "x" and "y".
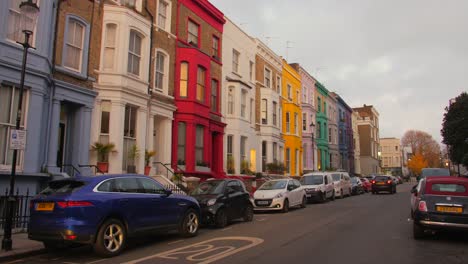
{"x": 147, "y": 170}
{"x": 103, "y": 166}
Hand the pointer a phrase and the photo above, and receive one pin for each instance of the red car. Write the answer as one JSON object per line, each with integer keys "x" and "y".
{"x": 366, "y": 184}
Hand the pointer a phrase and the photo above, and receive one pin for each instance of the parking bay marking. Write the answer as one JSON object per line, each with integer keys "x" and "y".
{"x": 206, "y": 251}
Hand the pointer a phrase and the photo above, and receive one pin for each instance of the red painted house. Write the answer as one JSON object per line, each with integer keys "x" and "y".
{"x": 197, "y": 145}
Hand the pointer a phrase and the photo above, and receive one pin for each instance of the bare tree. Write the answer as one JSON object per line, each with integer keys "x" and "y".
{"x": 423, "y": 143}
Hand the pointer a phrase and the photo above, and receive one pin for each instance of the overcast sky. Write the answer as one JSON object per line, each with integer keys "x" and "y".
{"x": 405, "y": 57}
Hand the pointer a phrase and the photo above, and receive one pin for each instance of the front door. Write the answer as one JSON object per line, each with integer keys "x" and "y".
{"x": 61, "y": 145}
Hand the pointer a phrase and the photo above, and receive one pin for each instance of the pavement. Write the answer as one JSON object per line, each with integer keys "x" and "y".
{"x": 364, "y": 229}
{"x": 22, "y": 247}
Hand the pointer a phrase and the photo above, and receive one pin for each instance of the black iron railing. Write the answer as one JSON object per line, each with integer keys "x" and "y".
{"x": 21, "y": 210}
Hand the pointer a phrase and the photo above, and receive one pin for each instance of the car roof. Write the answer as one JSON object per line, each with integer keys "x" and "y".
{"x": 448, "y": 179}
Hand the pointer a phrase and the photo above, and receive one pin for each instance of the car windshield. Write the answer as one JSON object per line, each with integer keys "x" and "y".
{"x": 274, "y": 185}
{"x": 336, "y": 177}
{"x": 209, "y": 187}
{"x": 62, "y": 186}
{"x": 312, "y": 180}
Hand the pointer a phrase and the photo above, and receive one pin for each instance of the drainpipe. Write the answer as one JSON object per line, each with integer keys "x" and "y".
{"x": 52, "y": 92}
{"x": 150, "y": 93}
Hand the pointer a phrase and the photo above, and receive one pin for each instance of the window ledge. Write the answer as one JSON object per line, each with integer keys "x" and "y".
{"x": 158, "y": 28}
{"x": 237, "y": 74}
{"x": 72, "y": 73}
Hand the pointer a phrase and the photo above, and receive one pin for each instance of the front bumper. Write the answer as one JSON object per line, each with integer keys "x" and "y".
{"x": 270, "y": 204}
{"x": 208, "y": 213}
{"x": 314, "y": 195}
{"x": 379, "y": 188}
{"x": 60, "y": 236}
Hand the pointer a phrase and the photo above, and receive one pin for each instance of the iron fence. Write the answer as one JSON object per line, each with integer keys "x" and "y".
{"x": 20, "y": 210}
{"x": 176, "y": 189}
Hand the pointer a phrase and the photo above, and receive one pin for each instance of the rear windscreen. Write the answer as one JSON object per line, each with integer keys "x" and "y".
{"x": 62, "y": 187}
{"x": 445, "y": 187}
{"x": 381, "y": 178}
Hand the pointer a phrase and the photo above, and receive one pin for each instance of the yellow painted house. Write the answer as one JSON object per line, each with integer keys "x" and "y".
{"x": 292, "y": 119}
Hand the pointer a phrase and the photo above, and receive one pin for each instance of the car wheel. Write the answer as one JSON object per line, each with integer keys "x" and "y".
{"x": 111, "y": 238}
{"x": 221, "y": 218}
{"x": 333, "y": 196}
{"x": 248, "y": 213}
{"x": 285, "y": 206}
{"x": 418, "y": 231}
{"x": 190, "y": 224}
{"x": 304, "y": 202}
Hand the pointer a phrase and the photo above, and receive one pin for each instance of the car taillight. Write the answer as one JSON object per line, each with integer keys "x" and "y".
{"x": 373, "y": 182}
{"x": 422, "y": 207}
{"x": 74, "y": 204}
{"x": 389, "y": 181}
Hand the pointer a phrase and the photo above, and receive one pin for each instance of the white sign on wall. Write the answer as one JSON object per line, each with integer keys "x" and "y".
{"x": 18, "y": 139}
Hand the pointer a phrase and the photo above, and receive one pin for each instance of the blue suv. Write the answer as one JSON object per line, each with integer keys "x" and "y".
{"x": 105, "y": 210}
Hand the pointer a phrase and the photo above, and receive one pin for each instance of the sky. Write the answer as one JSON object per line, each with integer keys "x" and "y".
{"x": 407, "y": 58}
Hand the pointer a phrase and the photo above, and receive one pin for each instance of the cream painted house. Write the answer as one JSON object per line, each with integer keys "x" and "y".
{"x": 356, "y": 144}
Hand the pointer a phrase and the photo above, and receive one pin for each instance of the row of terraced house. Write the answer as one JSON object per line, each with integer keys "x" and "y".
{"x": 171, "y": 76}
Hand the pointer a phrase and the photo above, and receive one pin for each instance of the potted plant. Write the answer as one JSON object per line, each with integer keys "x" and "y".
{"x": 103, "y": 150}
{"x": 133, "y": 154}
{"x": 245, "y": 167}
{"x": 202, "y": 166}
{"x": 148, "y": 156}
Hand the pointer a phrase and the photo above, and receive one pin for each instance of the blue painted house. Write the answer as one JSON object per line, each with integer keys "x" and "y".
{"x": 59, "y": 94}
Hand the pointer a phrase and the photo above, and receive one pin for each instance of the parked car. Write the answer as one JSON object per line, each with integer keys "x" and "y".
{"x": 431, "y": 172}
{"x": 439, "y": 203}
{"x": 383, "y": 183}
{"x": 105, "y": 210}
{"x": 342, "y": 184}
{"x": 400, "y": 179}
{"x": 318, "y": 186}
{"x": 366, "y": 184}
{"x": 280, "y": 195}
{"x": 356, "y": 186}
{"x": 222, "y": 201}
{"x": 395, "y": 179}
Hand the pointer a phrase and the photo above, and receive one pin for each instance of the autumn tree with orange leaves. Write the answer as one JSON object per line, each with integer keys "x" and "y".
{"x": 417, "y": 163}
{"x": 422, "y": 143}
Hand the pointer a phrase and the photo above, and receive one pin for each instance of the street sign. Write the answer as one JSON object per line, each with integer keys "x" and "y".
{"x": 18, "y": 139}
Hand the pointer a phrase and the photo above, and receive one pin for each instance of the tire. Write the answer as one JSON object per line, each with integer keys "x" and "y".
{"x": 221, "y": 219}
{"x": 285, "y": 206}
{"x": 418, "y": 231}
{"x": 111, "y": 238}
{"x": 323, "y": 197}
{"x": 333, "y": 196}
{"x": 248, "y": 213}
{"x": 341, "y": 194}
{"x": 304, "y": 202}
{"x": 190, "y": 224}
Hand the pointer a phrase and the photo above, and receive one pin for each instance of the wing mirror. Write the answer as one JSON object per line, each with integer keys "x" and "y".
{"x": 167, "y": 192}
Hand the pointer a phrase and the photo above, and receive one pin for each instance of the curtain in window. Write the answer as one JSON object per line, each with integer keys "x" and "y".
{"x": 201, "y": 84}
{"x": 74, "y": 45}
{"x": 109, "y": 46}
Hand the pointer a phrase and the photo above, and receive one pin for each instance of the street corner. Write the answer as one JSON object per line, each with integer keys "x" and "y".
{"x": 203, "y": 252}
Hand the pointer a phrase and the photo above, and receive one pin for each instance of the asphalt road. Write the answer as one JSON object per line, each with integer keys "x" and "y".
{"x": 361, "y": 229}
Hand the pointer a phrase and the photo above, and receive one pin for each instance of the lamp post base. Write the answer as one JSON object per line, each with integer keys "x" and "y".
{"x": 7, "y": 243}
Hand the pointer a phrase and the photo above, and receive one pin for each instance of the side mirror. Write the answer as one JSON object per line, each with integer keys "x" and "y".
{"x": 167, "y": 192}
{"x": 290, "y": 188}
{"x": 230, "y": 191}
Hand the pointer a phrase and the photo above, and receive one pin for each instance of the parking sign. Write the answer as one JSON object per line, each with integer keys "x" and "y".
{"x": 18, "y": 139}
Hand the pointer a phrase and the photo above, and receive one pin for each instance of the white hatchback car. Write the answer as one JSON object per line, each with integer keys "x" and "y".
{"x": 342, "y": 184}
{"x": 318, "y": 186}
{"x": 279, "y": 195}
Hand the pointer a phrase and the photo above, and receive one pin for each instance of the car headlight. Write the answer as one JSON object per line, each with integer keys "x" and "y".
{"x": 211, "y": 202}
{"x": 279, "y": 195}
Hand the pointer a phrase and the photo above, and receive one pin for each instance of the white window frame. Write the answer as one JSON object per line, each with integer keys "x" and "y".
{"x": 191, "y": 35}
{"x": 235, "y": 61}
{"x": 289, "y": 91}
{"x": 109, "y": 46}
{"x": 167, "y": 26}
{"x": 133, "y": 54}
{"x": 11, "y": 124}
{"x": 165, "y": 73}
{"x": 269, "y": 77}
{"x": 296, "y": 121}
{"x": 288, "y": 122}
{"x": 83, "y": 64}
{"x": 275, "y": 113}
{"x": 264, "y": 111}
{"x": 231, "y": 99}
{"x": 278, "y": 85}
{"x": 243, "y": 104}
{"x": 304, "y": 122}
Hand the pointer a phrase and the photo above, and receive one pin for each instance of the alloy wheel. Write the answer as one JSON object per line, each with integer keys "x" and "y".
{"x": 192, "y": 223}
{"x": 113, "y": 237}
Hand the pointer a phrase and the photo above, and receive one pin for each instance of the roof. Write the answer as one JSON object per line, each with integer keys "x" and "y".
{"x": 446, "y": 179}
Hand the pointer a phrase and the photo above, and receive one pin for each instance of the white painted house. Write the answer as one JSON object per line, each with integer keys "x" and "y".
{"x": 241, "y": 143}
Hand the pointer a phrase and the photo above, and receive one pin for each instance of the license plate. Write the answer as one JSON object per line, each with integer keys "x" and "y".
{"x": 262, "y": 202}
{"x": 449, "y": 209}
{"x": 44, "y": 206}
{"x": 380, "y": 183}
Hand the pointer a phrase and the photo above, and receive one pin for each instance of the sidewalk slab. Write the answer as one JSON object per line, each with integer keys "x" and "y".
{"x": 22, "y": 246}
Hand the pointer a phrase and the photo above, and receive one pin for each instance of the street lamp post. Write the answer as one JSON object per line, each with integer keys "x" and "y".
{"x": 29, "y": 13}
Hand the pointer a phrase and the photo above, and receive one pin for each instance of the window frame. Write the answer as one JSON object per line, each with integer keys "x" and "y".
{"x": 264, "y": 111}
{"x": 128, "y": 137}
{"x": 288, "y": 122}
{"x": 199, "y": 146}
{"x": 214, "y": 95}
{"x": 181, "y": 146}
{"x": 200, "y": 93}
{"x": 165, "y": 73}
{"x": 275, "y": 115}
{"x": 270, "y": 75}
{"x": 186, "y": 80}
{"x": 196, "y": 44}
{"x": 106, "y": 46}
{"x": 216, "y": 50}
{"x": 243, "y": 103}
{"x": 235, "y": 61}
{"x": 230, "y": 102}
{"x": 133, "y": 53}
{"x": 168, "y": 21}
{"x": 83, "y": 65}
